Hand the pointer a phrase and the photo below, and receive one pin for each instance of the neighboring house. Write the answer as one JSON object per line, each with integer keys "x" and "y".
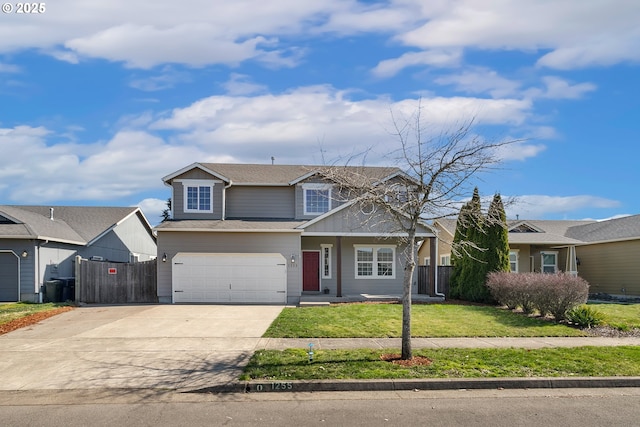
{"x": 38, "y": 243}
{"x": 269, "y": 233}
{"x": 605, "y": 253}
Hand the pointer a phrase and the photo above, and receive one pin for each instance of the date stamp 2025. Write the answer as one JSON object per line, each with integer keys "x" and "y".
{"x": 24, "y": 8}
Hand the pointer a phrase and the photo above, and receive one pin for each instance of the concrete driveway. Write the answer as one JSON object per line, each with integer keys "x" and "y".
{"x": 134, "y": 346}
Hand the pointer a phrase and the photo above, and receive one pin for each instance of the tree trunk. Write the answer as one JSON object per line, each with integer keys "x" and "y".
{"x": 407, "y": 351}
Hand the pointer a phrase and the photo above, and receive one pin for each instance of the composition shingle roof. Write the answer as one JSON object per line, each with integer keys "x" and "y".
{"x": 73, "y": 224}
{"x": 282, "y": 174}
{"x": 228, "y": 225}
{"x": 614, "y": 229}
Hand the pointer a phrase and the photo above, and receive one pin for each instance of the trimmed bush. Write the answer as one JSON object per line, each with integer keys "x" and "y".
{"x": 553, "y": 294}
{"x": 585, "y": 316}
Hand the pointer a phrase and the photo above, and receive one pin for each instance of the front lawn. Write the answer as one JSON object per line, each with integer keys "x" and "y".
{"x": 621, "y": 316}
{"x": 428, "y": 320}
{"x": 293, "y": 364}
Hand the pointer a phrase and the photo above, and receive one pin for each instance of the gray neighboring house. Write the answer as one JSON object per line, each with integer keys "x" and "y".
{"x": 247, "y": 233}
{"x": 38, "y": 243}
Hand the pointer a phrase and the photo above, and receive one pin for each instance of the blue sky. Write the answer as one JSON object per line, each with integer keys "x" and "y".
{"x": 101, "y": 99}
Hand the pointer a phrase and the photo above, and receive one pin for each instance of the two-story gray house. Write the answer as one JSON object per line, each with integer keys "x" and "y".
{"x": 247, "y": 233}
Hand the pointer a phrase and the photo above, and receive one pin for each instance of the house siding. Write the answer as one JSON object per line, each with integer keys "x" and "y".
{"x": 27, "y": 286}
{"x": 177, "y": 199}
{"x": 260, "y": 202}
{"x": 612, "y": 268}
{"x": 287, "y": 244}
{"x": 351, "y": 285}
{"x": 299, "y": 198}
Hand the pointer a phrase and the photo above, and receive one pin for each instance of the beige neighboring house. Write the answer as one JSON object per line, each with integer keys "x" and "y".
{"x": 605, "y": 253}
{"x": 262, "y": 233}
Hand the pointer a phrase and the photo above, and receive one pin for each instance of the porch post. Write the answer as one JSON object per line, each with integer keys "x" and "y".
{"x": 339, "y": 266}
{"x": 433, "y": 265}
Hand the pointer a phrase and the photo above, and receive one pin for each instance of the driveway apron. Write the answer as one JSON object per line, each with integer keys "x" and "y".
{"x": 134, "y": 346}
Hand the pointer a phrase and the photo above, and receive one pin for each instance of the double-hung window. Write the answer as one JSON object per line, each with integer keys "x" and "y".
{"x": 198, "y": 196}
{"x": 317, "y": 198}
{"x": 375, "y": 262}
{"x": 513, "y": 261}
{"x": 549, "y": 262}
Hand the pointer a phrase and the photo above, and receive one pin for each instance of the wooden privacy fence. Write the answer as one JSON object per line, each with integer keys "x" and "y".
{"x": 100, "y": 282}
{"x": 425, "y": 286}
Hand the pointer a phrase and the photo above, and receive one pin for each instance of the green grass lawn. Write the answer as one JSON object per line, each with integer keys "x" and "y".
{"x": 293, "y": 364}
{"x": 621, "y": 316}
{"x": 428, "y": 320}
{"x": 12, "y": 311}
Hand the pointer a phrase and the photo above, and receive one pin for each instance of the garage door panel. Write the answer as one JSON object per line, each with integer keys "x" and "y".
{"x": 238, "y": 278}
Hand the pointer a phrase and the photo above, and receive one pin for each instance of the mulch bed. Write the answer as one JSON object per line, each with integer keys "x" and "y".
{"x": 31, "y": 319}
{"x": 396, "y": 359}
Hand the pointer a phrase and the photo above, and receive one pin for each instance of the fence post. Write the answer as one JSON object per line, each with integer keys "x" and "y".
{"x": 78, "y": 278}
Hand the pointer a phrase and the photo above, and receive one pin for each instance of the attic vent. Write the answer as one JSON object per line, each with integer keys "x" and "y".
{"x": 523, "y": 228}
{"x": 4, "y": 220}
{"x": 51, "y": 214}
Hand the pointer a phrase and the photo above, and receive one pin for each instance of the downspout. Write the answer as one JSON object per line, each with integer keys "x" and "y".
{"x": 37, "y": 269}
{"x": 224, "y": 199}
{"x": 435, "y": 287}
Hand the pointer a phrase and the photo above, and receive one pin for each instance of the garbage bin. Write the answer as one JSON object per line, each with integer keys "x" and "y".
{"x": 68, "y": 289}
{"x": 53, "y": 291}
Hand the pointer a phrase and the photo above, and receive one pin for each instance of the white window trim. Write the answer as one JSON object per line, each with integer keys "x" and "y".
{"x": 197, "y": 183}
{"x": 517, "y": 253}
{"x": 322, "y": 261}
{"x": 314, "y": 186}
{"x": 445, "y": 258}
{"x": 375, "y": 261}
{"x": 542, "y": 264}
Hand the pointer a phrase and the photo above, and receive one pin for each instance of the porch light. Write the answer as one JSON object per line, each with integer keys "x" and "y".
{"x": 293, "y": 258}
{"x": 164, "y": 257}
{"x": 25, "y": 253}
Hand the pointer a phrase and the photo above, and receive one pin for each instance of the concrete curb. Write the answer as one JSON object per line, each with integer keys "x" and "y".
{"x": 419, "y": 384}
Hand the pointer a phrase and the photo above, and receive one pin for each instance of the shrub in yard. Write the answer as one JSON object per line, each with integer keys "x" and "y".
{"x": 512, "y": 290}
{"x": 553, "y": 294}
{"x": 558, "y": 293}
{"x": 585, "y": 316}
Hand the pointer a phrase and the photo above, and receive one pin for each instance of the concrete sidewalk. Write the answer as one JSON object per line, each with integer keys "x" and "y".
{"x": 481, "y": 342}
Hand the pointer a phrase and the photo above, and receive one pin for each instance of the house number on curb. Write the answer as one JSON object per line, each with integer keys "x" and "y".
{"x": 274, "y": 387}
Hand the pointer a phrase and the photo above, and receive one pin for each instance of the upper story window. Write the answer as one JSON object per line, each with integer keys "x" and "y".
{"x": 317, "y": 198}
{"x": 198, "y": 196}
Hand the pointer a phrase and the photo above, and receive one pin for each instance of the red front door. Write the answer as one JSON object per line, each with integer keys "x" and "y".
{"x": 311, "y": 271}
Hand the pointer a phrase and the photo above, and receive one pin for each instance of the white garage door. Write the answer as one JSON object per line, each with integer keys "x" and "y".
{"x": 237, "y": 278}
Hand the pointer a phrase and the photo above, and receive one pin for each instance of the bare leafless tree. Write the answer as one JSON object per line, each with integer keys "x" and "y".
{"x": 434, "y": 172}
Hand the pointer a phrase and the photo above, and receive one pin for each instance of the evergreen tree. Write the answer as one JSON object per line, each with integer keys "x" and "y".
{"x": 166, "y": 213}
{"x": 469, "y": 264}
{"x": 497, "y": 237}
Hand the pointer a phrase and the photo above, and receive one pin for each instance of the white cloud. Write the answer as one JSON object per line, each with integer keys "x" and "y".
{"x": 557, "y": 88}
{"x": 537, "y": 206}
{"x": 9, "y": 68}
{"x": 166, "y": 79}
{"x": 481, "y": 80}
{"x": 240, "y": 84}
{"x": 578, "y": 33}
{"x": 435, "y": 58}
{"x": 300, "y": 123}
{"x": 152, "y": 209}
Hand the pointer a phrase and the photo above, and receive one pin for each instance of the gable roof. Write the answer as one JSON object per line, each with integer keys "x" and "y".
{"x": 625, "y": 228}
{"x": 277, "y": 175}
{"x": 543, "y": 232}
{"x": 79, "y": 225}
